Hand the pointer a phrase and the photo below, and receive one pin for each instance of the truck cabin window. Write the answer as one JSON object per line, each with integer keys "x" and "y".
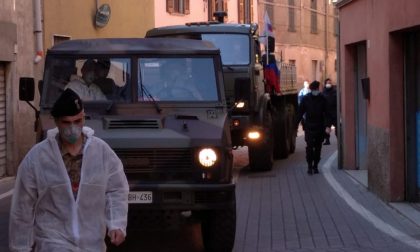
{"x": 234, "y": 48}
{"x": 93, "y": 79}
{"x": 177, "y": 79}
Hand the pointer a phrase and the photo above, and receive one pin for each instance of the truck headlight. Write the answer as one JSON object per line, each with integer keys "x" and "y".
{"x": 254, "y": 135}
{"x": 207, "y": 157}
{"x": 240, "y": 104}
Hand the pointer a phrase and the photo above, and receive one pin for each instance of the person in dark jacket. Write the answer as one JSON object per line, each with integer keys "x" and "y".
{"x": 317, "y": 122}
{"x": 330, "y": 94}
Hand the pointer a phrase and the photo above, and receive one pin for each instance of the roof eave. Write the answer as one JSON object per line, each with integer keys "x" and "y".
{"x": 342, "y": 3}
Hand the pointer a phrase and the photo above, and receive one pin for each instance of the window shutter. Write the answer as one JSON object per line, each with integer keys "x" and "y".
{"x": 170, "y": 6}
{"x": 187, "y": 7}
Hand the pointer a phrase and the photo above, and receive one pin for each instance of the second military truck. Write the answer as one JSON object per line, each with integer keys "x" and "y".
{"x": 261, "y": 116}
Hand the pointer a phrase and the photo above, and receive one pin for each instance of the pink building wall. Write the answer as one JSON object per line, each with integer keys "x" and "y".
{"x": 380, "y": 25}
{"x": 198, "y": 12}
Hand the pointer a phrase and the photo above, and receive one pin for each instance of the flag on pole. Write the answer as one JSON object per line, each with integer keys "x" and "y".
{"x": 268, "y": 28}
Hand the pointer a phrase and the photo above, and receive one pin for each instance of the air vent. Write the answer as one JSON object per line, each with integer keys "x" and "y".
{"x": 131, "y": 123}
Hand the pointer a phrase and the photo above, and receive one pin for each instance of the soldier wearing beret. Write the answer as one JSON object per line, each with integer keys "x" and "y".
{"x": 317, "y": 122}
{"x": 70, "y": 188}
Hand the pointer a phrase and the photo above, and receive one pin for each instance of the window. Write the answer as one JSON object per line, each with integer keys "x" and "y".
{"x": 292, "y": 62}
{"x": 242, "y": 12}
{"x": 314, "y": 17}
{"x": 292, "y": 27}
{"x": 233, "y": 47}
{"x": 314, "y": 70}
{"x": 177, "y": 79}
{"x": 178, "y": 6}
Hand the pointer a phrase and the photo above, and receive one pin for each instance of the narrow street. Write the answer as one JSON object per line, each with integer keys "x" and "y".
{"x": 288, "y": 210}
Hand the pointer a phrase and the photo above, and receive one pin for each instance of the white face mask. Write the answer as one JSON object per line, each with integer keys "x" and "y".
{"x": 71, "y": 133}
{"x": 306, "y": 84}
{"x": 328, "y": 85}
{"x": 315, "y": 92}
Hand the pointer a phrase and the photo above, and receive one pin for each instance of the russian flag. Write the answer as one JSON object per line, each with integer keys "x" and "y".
{"x": 272, "y": 78}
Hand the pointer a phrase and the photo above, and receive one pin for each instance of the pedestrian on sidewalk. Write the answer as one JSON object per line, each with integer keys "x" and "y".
{"x": 330, "y": 94}
{"x": 70, "y": 188}
{"x": 304, "y": 91}
{"x": 317, "y": 122}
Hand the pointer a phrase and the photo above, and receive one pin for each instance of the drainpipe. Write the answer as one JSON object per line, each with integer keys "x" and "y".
{"x": 326, "y": 40}
{"x": 38, "y": 32}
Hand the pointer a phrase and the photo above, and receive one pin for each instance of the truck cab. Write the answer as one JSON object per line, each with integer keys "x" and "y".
{"x": 261, "y": 116}
{"x": 162, "y": 109}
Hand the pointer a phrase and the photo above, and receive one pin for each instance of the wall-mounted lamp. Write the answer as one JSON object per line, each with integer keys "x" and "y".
{"x": 102, "y": 16}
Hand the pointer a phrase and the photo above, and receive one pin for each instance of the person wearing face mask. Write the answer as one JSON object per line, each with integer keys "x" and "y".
{"x": 70, "y": 188}
{"x": 84, "y": 86}
{"x": 317, "y": 122}
{"x": 330, "y": 94}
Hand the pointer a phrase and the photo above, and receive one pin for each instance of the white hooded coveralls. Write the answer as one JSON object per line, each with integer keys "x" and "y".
{"x": 44, "y": 210}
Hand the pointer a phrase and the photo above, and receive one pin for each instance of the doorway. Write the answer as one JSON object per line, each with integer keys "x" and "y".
{"x": 412, "y": 114}
{"x": 361, "y": 108}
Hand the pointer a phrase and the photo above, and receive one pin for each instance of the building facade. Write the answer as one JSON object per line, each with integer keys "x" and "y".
{"x": 306, "y": 35}
{"x": 28, "y": 29}
{"x": 380, "y": 94}
{"x": 177, "y": 12}
{"x": 16, "y": 59}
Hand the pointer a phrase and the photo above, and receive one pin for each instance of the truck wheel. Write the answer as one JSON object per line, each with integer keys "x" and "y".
{"x": 261, "y": 154}
{"x": 280, "y": 134}
{"x": 218, "y": 229}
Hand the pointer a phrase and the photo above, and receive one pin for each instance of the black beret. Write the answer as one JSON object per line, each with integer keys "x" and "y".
{"x": 314, "y": 85}
{"x": 68, "y": 104}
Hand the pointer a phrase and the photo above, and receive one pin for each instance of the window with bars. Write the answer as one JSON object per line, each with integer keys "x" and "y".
{"x": 314, "y": 17}
{"x": 178, "y": 6}
{"x": 242, "y": 9}
{"x": 292, "y": 26}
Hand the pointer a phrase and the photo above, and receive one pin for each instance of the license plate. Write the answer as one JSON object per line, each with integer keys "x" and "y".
{"x": 144, "y": 197}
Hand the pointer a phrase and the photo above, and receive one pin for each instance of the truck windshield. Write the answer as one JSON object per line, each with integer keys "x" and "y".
{"x": 93, "y": 79}
{"x": 234, "y": 48}
{"x": 177, "y": 79}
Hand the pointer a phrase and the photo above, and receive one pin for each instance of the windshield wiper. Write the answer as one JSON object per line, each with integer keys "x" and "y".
{"x": 147, "y": 93}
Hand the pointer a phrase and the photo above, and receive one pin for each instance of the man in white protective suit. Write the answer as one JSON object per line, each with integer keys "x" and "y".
{"x": 70, "y": 188}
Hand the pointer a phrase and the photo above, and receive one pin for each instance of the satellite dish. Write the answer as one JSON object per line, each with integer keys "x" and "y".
{"x": 103, "y": 13}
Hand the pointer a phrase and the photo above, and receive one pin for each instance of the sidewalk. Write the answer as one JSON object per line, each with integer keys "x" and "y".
{"x": 409, "y": 210}
{"x": 288, "y": 210}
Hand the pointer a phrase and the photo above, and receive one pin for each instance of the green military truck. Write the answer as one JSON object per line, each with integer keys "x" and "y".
{"x": 165, "y": 116}
{"x": 261, "y": 118}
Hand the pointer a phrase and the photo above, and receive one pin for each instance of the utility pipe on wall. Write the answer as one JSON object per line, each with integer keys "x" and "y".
{"x": 39, "y": 46}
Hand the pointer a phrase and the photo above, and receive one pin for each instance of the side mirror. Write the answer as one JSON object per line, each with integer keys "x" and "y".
{"x": 26, "y": 89}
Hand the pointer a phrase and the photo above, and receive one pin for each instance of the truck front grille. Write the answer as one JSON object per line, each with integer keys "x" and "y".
{"x": 131, "y": 124}
{"x": 157, "y": 164}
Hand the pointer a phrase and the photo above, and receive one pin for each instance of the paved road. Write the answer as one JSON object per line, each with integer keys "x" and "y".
{"x": 288, "y": 210}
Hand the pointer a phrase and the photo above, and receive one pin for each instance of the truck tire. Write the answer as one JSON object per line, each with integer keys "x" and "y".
{"x": 261, "y": 154}
{"x": 280, "y": 134}
{"x": 218, "y": 229}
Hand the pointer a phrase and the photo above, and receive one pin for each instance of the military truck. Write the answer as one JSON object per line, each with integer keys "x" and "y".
{"x": 173, "y": 139}
{"x": 262, "y": 117}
